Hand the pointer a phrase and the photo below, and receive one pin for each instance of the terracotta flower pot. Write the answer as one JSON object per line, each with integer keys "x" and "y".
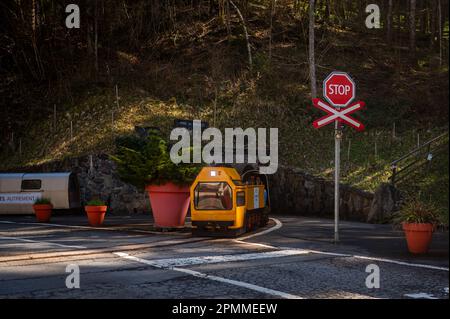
{"x": 43, "y": 212}
{"x": 96, "y": 214}
{"x": 169, "y": 203}
{"x": 418, "y": 237}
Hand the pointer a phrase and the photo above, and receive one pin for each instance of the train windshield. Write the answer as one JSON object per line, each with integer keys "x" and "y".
{"x": 213, "y": 196}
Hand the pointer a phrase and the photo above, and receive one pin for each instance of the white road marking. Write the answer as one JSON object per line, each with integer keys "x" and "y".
{"x": 258, "y": 244}
{"x": 41, "y": 242}
{"x": 391, "y": 261}
{"x": 85, "y": 227}
{"x": 190, "y": 261}
{"x": 278, "y": 225}
{"x": 213, "y": 278}
{"x": 402, "y": 263}
{"x": 420, "y": 295}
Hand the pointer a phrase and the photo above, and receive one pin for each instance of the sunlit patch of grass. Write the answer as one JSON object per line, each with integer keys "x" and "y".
{"x": 95, "y": 122}
{"x": 128, "y": 57}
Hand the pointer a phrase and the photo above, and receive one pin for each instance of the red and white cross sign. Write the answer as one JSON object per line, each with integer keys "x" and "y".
{"x": 341, "y": 114}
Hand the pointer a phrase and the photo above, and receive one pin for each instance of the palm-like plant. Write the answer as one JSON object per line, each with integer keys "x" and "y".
{"x": 415, "y": 211}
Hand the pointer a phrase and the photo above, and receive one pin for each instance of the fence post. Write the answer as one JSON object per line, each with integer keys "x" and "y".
{"x": 429, "y": 157}
{"x": 117, "y": 96}
{"x": 349, "y": 148}
{"x": 54, "y": 117}
{"x": 394, "y": 174}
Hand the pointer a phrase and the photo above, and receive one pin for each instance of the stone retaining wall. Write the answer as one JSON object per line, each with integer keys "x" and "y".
{"x": 295, "y": 192}
{"x": 292, "y": 191}
{"x": 98, "y": 179}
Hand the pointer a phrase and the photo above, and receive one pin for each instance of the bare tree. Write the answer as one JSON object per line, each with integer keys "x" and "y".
{"x": 272, "y": 12}
{"x": 440, "y": 31}
{"x": 96, "y": 37}
{"x": 412, "y": 25}
{"x": 249, "y": 50}
{"x": 432, "y": 22}
{"x": 389, "y": 22}
{"x": 312, "y": 63}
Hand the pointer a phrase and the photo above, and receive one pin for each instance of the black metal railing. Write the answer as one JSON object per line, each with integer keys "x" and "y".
{"x": 418, "y": 159}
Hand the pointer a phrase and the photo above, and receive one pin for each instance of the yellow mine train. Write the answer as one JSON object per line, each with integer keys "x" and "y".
{"x": 225, "y": 204}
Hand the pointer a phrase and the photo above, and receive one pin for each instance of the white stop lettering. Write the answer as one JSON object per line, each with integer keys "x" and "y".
{"x": 339, "y": 89}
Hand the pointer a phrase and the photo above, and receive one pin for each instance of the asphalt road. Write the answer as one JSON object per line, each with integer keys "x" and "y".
{"x": 291, "y": 258}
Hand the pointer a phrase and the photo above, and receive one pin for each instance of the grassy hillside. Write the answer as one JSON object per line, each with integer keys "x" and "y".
{"x": 199, "y": 71}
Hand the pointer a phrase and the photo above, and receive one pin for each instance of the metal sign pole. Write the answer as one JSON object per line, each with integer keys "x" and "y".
{"x": 339, "y": 90}
{"x": 337, "y": 163}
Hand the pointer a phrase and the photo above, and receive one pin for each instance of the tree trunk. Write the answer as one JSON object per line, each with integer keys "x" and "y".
{"x": 440, "y": 30}
{"x": 272, "y": 12}
{"x": 412, "y": 26}
{"x": 423, "y": 17}
{"x": 432, "y": 22}
{"x": 389, "y": 22}
{"x": 249, "y": 50}
{"x": 312, "y": 63}
{"x": 96, "y": 38}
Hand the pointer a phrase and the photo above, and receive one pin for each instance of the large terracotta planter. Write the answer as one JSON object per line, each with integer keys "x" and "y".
{"x": 418, "y": 237}
{"x": 96, "y": 214}
{"x": 43, "y": 212}
{"x": 169, "y": 203}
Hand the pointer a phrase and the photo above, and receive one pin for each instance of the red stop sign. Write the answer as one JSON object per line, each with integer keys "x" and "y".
{"x": 339, "y": 89}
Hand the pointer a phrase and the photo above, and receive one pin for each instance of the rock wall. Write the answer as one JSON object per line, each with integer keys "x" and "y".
{"x": 98, "y": 179}
{"x": 386, "y": 202}
{"x": 295, "y": 192}
{"x": 292, "y": 191}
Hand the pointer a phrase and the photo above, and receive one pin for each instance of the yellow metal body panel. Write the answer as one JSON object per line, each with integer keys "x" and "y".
{"x": 253, "y": 194}
{"x": 215, "y": 174}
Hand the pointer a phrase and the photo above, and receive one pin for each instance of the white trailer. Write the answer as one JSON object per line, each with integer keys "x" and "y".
{"x": 18, "y": 191}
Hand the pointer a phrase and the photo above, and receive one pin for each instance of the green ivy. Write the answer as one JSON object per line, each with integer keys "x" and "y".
{"x": 146, "y": 161}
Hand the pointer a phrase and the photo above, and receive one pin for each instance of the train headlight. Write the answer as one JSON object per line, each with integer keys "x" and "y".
{"x": 213, "y": 173}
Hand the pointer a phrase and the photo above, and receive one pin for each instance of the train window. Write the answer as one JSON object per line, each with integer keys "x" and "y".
{"x": 240, "y": 199}
{"x": 213, "y": 196}
{"x": 31, "y": 184}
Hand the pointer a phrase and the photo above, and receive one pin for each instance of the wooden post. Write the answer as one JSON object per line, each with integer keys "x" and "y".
{"x": 112, "y": 121}
{"x": 117, "y": 96}
{"x": 71, "y": 130}
{"x": 394, "y": 174}
{"x": 54, "y": 117}
{"x": 376, "y": 150}
{"x": 348, "y": 151}
{"x": 440, "y": 31}
{"x": 215, "y": 107}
